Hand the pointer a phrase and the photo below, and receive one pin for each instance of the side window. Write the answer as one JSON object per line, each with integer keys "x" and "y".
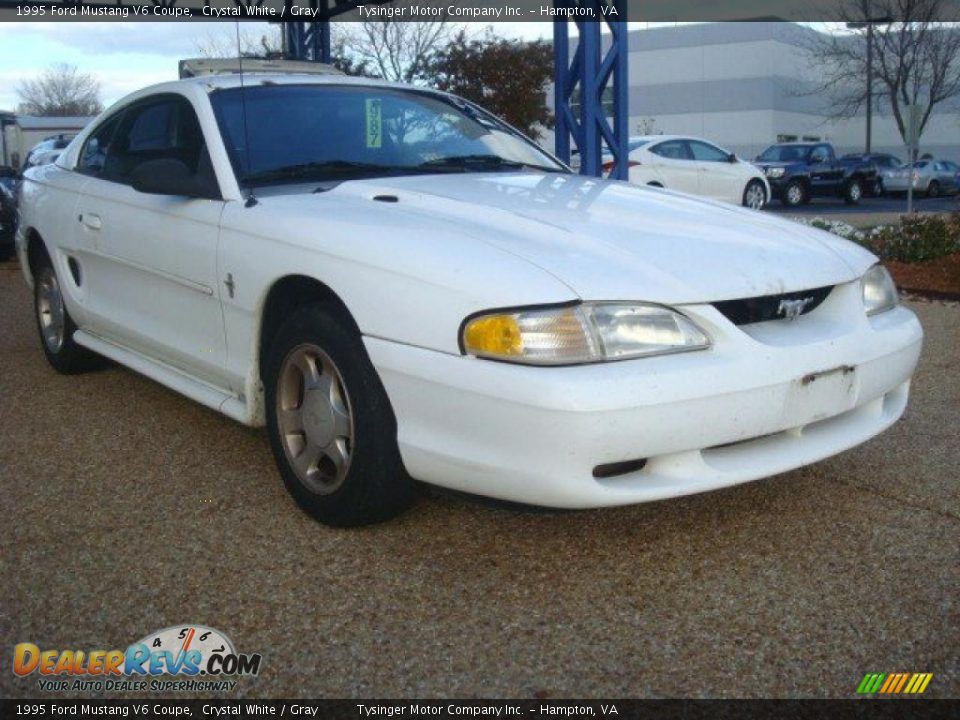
{"x": 820, "y": 153}
{"x": 673, "y": 149}
{"x": 707, "y": 153}
{"x": 152, "y": 128}
{"x": 94, "y": 151}
{"x": 159, "y": 129}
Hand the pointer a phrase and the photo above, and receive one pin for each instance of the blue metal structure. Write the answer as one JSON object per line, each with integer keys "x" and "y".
{"x": 595, "y": 73}
{"x": 585, "y": 81}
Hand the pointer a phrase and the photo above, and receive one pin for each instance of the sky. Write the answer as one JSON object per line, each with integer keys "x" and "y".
{"x": 126, "y": 56}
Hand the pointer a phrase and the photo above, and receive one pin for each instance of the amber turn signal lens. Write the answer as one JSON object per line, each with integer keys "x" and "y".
{"x": 493, "y": 335}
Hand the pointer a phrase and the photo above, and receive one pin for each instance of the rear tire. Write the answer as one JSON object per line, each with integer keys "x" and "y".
{"x": 933, "y": 189}
{"x": 332, "y": 430}
{"x": 55, "y": 325}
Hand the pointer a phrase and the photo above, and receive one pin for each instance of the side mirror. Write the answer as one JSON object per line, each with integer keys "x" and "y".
{"x": 818, "y": 158}
{"x": 171, "y": 177}
{"x": 732, "y": 158}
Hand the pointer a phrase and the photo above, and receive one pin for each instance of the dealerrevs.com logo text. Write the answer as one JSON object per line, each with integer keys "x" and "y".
{"x": 182, "y": 651}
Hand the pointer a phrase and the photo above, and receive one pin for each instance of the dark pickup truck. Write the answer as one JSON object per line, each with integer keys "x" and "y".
{"x": 798, "y": 172}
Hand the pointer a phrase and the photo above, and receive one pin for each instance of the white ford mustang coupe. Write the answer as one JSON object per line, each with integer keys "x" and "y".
{"x": 399, "y": 285}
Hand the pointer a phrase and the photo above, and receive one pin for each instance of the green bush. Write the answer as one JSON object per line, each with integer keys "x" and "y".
{"x": 916, "y": 238}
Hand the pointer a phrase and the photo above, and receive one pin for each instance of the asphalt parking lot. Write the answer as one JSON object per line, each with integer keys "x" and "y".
{"x": 130, "y": 508}
{"x": 887, "y": 204}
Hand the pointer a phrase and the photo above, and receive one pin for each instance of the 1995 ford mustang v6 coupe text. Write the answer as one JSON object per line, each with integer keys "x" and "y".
{"x": 398, "y": 285}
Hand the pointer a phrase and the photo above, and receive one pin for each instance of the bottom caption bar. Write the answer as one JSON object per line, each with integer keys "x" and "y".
{"x": 418, "y": 709}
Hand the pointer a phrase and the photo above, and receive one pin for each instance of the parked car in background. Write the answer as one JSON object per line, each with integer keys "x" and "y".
{"x": 929, "y": 177}
{"x": 884, "y": 163}
{"x": 46, "y": 151}
{"x": 695, "y": 166}
{"x": 799, "y": 172}
{"x": 8, "y": 210}
{"x": 419, "y": 291}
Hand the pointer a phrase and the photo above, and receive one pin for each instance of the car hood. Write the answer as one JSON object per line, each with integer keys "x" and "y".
{"x": 609, "y": 240}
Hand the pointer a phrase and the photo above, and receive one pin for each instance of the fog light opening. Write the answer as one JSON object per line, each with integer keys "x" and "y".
{"x": 618, "y": 468}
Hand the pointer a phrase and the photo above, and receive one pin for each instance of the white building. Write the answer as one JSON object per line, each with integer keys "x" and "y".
{"x": 745, "y": 85}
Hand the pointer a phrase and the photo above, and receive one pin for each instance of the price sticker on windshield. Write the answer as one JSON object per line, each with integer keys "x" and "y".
{"x": 374, "y": 123}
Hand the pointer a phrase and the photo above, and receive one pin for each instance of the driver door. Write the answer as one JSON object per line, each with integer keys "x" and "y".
{"x": 720, "y": 178}
{"x": 823, "y": 173}
{"x": 150, "y": 261}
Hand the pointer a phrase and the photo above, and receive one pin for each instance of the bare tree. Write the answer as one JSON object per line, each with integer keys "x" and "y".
{"x": 60, "y": 90}
{"x": 251, "y": 44}
{"x": 394, "y": 49}
{"x": 915, "y": 48}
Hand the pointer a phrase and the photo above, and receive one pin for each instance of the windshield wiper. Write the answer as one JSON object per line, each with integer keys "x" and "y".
{"x": 464, "y": 163}
{"x": 316, "y": 170}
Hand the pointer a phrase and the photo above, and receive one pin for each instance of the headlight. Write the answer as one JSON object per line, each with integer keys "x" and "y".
{"x": 775, "y": 172}
{"x": 879, "y": 292}
{"x": 587, "y": 333}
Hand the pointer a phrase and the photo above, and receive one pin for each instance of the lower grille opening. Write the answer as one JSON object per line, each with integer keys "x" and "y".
{"x": 618, "y": 468}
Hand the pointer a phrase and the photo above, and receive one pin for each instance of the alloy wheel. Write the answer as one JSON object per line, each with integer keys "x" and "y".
{"x": 756, "y": 197}
{"x": 50, "y": 310}
{"x": 314, "y": 418}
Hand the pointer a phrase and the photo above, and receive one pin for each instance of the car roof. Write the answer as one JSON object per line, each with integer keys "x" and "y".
{"x": 235, "y": 80}
{"x": 652, "y": 138}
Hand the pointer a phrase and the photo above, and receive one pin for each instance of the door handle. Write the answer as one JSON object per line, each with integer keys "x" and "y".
{"x": 91, "y": 221}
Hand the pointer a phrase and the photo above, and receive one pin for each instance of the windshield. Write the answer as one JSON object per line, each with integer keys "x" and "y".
{"x": 782, "y": 153}
{"x": 305, "y": 133}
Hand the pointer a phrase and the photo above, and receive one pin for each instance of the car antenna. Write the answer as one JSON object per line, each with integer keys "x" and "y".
{"x": 251, "y": 200}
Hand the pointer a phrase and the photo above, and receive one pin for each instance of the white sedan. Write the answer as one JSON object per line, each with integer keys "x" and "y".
{"x": 398, "y": 285}
{"x": 697, "y": 167}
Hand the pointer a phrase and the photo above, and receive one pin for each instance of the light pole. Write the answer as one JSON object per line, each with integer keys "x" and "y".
{"x": 868, "y": 24}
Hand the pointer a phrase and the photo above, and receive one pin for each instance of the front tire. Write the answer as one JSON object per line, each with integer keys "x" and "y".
{"x": 754, "y": 195}
{"x": 332, "y": 430}
{"x": 794, "y": 194}
{"x": 933, "y": 189}
{"x": 56, "y": 327}
{"x": 853, "y": 192}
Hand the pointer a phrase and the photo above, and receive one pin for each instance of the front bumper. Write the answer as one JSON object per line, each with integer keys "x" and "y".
{"x": 743, "y": 410}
